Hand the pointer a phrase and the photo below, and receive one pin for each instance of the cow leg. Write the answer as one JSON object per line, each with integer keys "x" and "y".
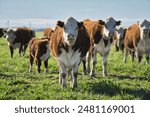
{"x": 31, "y": 63}
{"x": 104, "y": 63}
{"x": 84, "y": 66}
{"x": 62, "y": 74}
{"x": 46, "y": 66}
{"x": 11, "y": 51}
{"x": 89, "y": 60}
{"x": 38, "y": 64}
{"x": 24, "y": 50}
{"x": 139, "y": 56}
{"x": 70, "y": 75}
{"x": 94, "y": 61}
{"x": 147, "y": 57}
{"x": 125, "y": 55}
{"x": 20, "y": 50}
{"x": 132, "y": 55}
{"x": 75, "y": 74}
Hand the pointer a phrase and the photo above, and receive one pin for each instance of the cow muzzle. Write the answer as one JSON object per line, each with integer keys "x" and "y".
{"x": 70, "y": 37}
{"x": 110, "y": 35}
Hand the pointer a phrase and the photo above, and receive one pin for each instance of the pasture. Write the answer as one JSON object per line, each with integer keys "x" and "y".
{"x": 124, "y": 81}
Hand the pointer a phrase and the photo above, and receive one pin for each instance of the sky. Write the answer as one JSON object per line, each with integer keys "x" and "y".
{"x": 43, "y": 13}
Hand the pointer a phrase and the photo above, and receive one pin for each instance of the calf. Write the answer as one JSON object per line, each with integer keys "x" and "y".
{"x": 39, "y": 50}
{"x": 18, "y": 38}
{"x": 69, "y": 44}
{"x": 137, "y": 39}
{"x": 101, "y": 34}
{"x": 120, "y": 34}
{"x": 48, "y": 32}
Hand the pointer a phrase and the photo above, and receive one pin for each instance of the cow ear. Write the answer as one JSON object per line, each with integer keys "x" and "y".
{"x": 101, "y": 22}
{"x": 118, "y": 23}
{"x": 60, "y": 23}
{"x": 80, "y": 24}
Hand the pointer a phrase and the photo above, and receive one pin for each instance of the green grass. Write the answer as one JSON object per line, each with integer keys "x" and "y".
{"x": 124, "y": 81}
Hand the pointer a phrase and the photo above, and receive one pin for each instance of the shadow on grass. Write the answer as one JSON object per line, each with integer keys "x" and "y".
{"x": 2, "y": 75}
{"x": 122, "y": 77}
{"x": 111, "y": 89}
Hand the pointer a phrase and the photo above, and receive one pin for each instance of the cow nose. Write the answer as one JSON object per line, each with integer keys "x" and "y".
{"x": 110, "y": 34}
{"x": 70, "y": 37}
{"x": 145, "y": 30}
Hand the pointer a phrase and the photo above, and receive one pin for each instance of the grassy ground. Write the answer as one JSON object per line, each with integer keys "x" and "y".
{"x": 124, "y": 81}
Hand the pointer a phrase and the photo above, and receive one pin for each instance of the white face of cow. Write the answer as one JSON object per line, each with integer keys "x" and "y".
{"x": 110, "y": 27}
{"x": 10, "y": 35}
{"x": 145, "y": 29}
{"x": 120, "y": 33}
{"x": 70, "y": 32}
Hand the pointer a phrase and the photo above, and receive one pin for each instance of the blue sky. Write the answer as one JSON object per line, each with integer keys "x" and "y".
{"x": 43, "y": 12}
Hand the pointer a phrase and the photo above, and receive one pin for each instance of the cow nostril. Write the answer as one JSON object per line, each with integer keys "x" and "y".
{"x": 110, "y": 34}
{"x": 70, "y": 37}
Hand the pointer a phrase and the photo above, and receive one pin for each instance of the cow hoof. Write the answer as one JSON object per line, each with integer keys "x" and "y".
{"x": 85, "y": 73}
{"x": 92, "y": 75}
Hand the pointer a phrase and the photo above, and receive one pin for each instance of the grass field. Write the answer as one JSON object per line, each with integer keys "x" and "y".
{"x": 124, "y": 81}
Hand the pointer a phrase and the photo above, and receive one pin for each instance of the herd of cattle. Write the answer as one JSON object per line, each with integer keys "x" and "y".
{"x": 72, "y": 42}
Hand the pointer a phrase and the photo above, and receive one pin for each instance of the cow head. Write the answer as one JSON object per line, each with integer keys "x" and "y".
{"x": 70, "y": 30}
{"x": 109, "y": 26}
{"x": 121, "y": 33}
{"x": 10, "y": 35}
{"x": 144, "y": 29}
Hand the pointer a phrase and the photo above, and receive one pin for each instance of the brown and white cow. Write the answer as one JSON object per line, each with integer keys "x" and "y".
{"x": 39, "y": 51}
{"x": 69, "y": 44}
{"x": 101, "y": 34}
{"x": 137, "y": 39}
{"x": 48, "y": 32}
{"x": 18, "y": 38}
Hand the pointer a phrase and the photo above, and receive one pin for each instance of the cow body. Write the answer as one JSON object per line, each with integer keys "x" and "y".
{"x": 48, "y": 32}
{"x": 18, "y": 38}
{"x": 101, "y": 34}
{"x": 137, "y": 39}
{"x": 69, "y": 44}
{"x": 1, "y": 32}
{"x": 39, "y": 51}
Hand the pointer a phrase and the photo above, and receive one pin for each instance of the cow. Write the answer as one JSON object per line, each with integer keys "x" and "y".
{"x": 101, "y": 34}
{"x": 137, "y": 40}
{"x": 120, "y": 35}
{"x": 18, "y": 38}
{"x": 69, "y": 44}
{"x": 48, "y": 32}
{"x": 39, "y": 51}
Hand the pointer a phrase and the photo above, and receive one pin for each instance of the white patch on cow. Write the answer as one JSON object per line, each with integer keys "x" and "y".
{"x": 100, "y": 47}
{"x": 45, "y": 56}
{"x": 15, "y": 45}
{"x": 70, "y": 58}
{"x": 70, "y": 32}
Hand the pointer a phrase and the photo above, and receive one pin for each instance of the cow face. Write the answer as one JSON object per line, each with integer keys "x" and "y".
{"x": 121, "y": 33}
{"x": 70, "y": 32}
{"x": 10, "y": 35}
{"x": 110, "y": 27}
{"x": 145, "y": 29}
